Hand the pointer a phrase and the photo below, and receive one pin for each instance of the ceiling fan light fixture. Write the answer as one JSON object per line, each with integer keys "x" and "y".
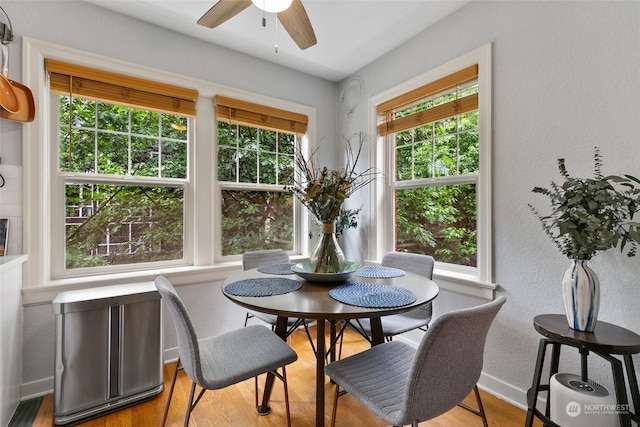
{"x": 272, "y": 6}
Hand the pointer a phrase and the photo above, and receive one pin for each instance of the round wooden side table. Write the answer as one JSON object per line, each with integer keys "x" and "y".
{"x": 606, "y": 341}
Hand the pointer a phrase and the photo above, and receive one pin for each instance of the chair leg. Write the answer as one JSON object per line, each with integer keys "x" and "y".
{"x": 173, "y": 384}
{"x": 343, "y": 326}
{"x": 255, "y": 380}
{"x": 295, "y": 326}
{"x": 335, "y": 406}
{"x": 334, "y": 338}
{"x": 189, "y": 406}
{"x": 192, "y": 403}
{"x": 282, "y": 377}
{"x": 341, "y": 340}
{"x": 286, "y": 395}
{"x": 359, "y": 329}
{"x": 306, "y": 330}
{"x": 482, "y": 414}
{"x": 480, "y": 411}
{"x": 246, "y": 318}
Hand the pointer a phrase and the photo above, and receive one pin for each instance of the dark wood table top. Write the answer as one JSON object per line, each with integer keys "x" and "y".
{"x": 606, "y": 338}
{"x": 312, "y": 300}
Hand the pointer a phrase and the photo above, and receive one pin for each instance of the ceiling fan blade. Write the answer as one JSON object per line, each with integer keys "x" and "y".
{"x": 296, "y": 21}
{"x": 223, "y": 11}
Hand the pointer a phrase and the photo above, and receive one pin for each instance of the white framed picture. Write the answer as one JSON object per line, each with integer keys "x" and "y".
{"x": 4, "y": 235}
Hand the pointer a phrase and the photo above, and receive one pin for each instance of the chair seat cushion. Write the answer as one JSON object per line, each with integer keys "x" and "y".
{"x": 271, "y": 318}
{"x": 400, "y": 323}
{"x": 225, "y": 360}
{"x": 377, "y": 377}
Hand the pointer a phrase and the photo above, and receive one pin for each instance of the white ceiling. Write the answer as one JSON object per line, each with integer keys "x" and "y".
{"x": 350, "y": 33}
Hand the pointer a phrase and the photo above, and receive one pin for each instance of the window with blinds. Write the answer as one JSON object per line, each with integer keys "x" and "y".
{"x": 123, "y": 161}
{"x": 454, "y": 94}
{"x": 256, "y": 146}
{"x": 262, "y": 116}
{"x": 89, "y": 83}
{"x": 432, "y": 134}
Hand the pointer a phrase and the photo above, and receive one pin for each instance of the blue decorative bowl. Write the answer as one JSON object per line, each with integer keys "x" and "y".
{"x": 303, "y": 270}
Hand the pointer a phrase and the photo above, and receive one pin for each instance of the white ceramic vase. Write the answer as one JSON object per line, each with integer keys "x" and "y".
{"x": 581, "y": 294}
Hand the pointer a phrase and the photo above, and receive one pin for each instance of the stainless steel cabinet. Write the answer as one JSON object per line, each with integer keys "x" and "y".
{"x": 108, "y": 350}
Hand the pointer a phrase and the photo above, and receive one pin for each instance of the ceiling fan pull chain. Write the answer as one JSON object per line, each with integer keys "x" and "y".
{"x": 276, "y": 47}
{"x": 264, "y": 14}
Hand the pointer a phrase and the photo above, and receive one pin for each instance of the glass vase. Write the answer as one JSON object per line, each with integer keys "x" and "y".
{"x": 327, "y": 256}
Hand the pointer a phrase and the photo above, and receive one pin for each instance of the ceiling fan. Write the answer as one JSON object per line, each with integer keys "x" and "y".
{"x": 294, "y": 18}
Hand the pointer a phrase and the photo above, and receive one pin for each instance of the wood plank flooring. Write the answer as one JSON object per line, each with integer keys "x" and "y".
{"x": 235, "y": 406}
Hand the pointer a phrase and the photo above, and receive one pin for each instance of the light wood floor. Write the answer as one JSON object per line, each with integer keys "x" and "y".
{"x": 235, "y": 406}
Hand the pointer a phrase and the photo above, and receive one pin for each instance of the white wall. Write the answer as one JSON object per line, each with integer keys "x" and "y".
{"x": 565, "y": 79}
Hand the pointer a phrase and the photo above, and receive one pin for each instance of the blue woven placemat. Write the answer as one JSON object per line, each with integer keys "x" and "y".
{"x": 379, "y": 272}
{"x": 372, "y": 295}
{"x": 276, "y": 269}
{"x": 262, "y": 287}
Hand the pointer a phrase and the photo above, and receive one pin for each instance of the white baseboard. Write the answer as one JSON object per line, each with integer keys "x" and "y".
{"x": 35, "y": 389}
{"x": 503, "y": 391}
{"x": 170, "y": 355}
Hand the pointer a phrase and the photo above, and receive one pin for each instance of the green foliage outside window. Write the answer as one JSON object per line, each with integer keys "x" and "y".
{"x": 117, "y": 140}
{"x": 438, "y": 221}
{"x": 260, "y": 218}
{"x": 115, "y": 224}
{"x": 108, "y": 223}
{"x": 255, "y": 220}
{"x": 436, "y": 218}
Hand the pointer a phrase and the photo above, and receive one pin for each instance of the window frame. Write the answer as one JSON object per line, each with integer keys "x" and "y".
{"x": 201, "y": 262}
{"x": 59, "y": 179}
{"x": 472, "y": 281}
{"x": 256, "y": 122}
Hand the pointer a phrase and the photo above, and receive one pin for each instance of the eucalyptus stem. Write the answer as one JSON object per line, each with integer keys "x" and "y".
{"x": 590, "y": 215}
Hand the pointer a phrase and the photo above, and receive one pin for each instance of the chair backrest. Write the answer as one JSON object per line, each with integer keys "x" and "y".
{"x": 188, "y": 348}
{"x": 413, "y": 263}
{"x": 448, "y": 361}
{"x": 255, "y": 259}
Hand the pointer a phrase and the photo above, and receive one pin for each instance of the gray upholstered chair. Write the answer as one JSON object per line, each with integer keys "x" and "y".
{"x": 217, "y": 362}
{"x": 255, "y": 259}
{"x": 419, "y": 317}
{"x": 404, "y": 385}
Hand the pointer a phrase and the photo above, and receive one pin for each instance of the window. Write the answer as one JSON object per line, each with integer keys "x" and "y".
{"x": 435, "y": 214}
{"x": 122, "y": 162}
{"x": 434, "y": 145}
{"x": 123, "y": 181}
{"x": 256, "y": 148}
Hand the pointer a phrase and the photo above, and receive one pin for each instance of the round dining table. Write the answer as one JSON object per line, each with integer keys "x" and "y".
{"x": 312, "y": 300}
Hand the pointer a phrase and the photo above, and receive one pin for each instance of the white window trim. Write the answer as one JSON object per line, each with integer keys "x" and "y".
{"x": 201, "y": 213}
{"x": 470, "y": 281}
